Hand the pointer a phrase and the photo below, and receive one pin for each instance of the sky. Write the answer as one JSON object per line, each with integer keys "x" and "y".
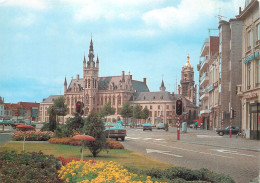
{"x": 44, "y": 41}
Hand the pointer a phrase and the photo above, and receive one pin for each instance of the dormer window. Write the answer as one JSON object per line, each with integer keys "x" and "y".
{"x": 144, "y": 97}
{"x": 154, "y": 97}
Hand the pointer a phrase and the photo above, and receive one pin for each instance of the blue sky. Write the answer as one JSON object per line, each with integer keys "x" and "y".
{"x": 42, "y": 41}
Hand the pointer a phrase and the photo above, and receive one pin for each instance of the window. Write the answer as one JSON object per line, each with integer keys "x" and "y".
{"x": 151, "y": 107}
{"x": 258, "y": 32}
{"x": 167, "y": 106}
{"x": 258, "y": 73}
{"x": 248, "y": 75}
{"x": 158, "y": 106}
{"x": 249, "y": 40}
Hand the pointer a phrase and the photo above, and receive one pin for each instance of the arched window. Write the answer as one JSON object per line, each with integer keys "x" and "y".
{"x": 101, "y": 100}
{"x": 114, "y": 100}
{"x": 105, "y": 99}
{"x": 94, "y": 100}
{"x": 119, "y": 100}
{"x": 88, "y": 83}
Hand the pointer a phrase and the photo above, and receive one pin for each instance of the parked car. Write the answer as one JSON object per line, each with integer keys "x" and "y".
{"x": 147, "y": 126}
{"x": 115, "y": 131}
{"x": 26, "y": 122}
{"x": 7, "y": 122}
{"x": 234, "y": 129}
{"x": 192, "y": 125}
{"x": 161, "y": 126}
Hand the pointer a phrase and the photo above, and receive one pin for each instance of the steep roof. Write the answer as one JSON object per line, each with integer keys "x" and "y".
{"x": 51, "y": 98}
{"x": 140, "y": 86}
{"x": 152, "y": 96}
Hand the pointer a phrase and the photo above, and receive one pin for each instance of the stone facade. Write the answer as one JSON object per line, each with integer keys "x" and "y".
{"x": 249, "y": 90}
{"x": 95, "y": 91}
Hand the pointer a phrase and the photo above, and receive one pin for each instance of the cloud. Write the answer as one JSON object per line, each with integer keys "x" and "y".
{"x": 187, "y": 13}
{"x": 30, "y": 4}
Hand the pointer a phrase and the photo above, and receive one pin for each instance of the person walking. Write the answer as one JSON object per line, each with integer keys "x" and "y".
{"x": 196, "y": 125}
{"x": 119, "y": 121}
{"x": 166, "y": 127}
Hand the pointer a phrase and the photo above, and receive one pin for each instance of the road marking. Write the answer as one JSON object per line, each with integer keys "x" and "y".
{"x": 159, "y": 139}
{"x": 162, "y": 152}
{"x": 147, "y": 138}
{"x": 192, "y": 150}
{"x": 232, "y": 152}
{"x": 131, "y": 138}
{"x": 208, "y": 136}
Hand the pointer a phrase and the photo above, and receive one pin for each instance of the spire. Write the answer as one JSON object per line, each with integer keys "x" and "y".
{"x": 188, "y": 61}
{"x": 91, "y": 52}
{"x": 65, "y": 82}
{"x": 162, "y": 88}
{"x": 97, "y": 59}
{"x": 84, "y": 60}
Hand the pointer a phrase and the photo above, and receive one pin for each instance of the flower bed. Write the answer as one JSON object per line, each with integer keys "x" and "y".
{"x": 68, "y": 160}
{"x": 98, "y": 172}
{"x": 32, "y": 135}
{"x": 111, "y": 144}
{"x": 28, "y": 167}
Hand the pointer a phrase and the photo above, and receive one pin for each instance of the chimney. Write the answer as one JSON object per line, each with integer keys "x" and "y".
{"x": 123, "y": 75}
{"x": 144, "y": 80}
{"x": 240, "y": 10}
{"x": 131, "y": 77}
{"x": 77, "y": 76}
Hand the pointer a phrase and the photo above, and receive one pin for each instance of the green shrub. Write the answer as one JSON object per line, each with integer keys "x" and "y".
{"x": 45, "y": 127}
{"x": 28, "y": 167}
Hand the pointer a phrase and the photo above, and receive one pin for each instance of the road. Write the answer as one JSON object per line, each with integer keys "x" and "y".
{"x": 242, "y": 164}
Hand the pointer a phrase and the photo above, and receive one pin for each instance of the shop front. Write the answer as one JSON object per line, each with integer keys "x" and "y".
{"x": 255, "y": 121}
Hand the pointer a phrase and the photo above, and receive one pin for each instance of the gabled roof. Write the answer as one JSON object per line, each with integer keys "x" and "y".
{"x": 9, "y": 106}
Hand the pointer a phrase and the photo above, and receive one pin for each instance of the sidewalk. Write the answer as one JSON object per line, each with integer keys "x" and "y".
{"x": 211, "y": 138}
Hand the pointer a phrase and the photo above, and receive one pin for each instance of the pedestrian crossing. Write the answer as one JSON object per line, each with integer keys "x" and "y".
{"x": 145, "y": 139}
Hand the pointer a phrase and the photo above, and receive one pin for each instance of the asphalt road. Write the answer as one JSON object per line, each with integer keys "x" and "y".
{"x": 241, "y": 165}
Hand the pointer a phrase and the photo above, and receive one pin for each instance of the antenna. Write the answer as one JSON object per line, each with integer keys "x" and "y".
{"x": 219, "y": 16}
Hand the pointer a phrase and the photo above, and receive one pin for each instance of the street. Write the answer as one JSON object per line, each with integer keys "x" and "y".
{"x": 199, "y": 149}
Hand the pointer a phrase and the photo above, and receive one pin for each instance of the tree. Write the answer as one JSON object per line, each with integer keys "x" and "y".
{"x": 137, "y": 111}
{"x": 76, "y": 123}
{"x": 107, "y": 110}
{"x": 60, "y": 107}
{"x": 126, "y": 111}
{"x": 145, "y": 113}
{"x": 52, "y": 119}
{"x": 94, "y": 127}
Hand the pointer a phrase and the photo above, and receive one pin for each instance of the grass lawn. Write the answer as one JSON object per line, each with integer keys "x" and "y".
{"x": 122, "y": 156}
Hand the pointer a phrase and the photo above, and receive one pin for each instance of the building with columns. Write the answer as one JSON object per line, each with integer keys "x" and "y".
{"x": 95, "y": 91}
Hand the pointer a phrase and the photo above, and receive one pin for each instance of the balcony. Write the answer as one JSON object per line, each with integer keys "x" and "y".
{"x": 204, "y": 79}
{"x": 239, "y": 90}
{"x": 204, "y": 62}
{"x": 204, "y": 96}
{"x": 210, "y": 88}
{"x": 206, "y": 111}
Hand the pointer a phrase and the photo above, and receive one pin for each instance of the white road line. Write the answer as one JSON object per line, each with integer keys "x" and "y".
{"x": 131, "y": 138}
{"x": 159, "y": 139}
{"x": 232, "y": 152}
{"x": 208, "y": 136}
{"x": 147, "y": 138}
{"x": 192, "y": 150}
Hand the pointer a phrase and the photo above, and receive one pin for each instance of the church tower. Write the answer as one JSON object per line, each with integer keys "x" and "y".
{"x": 90, "y": 74}
{"x": 188, "y": 89}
